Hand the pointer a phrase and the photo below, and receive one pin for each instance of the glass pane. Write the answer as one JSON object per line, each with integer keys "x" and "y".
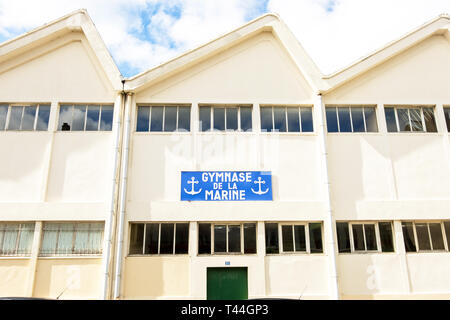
{"x": 166, "y": 244}
{"x": 357, "y": 119}
{"x": 371, "y": 120}
{"x": 43, "y": 117}
{"x": 49, "y": 238}
{"x": 371, "y": 240}
{"x": 3, "y": 115}
{"x": 93, "y": 116}
{"x": 15, "y": 118}
{"x": 106, "y": 123}
{"x": 96, "y": 238}
{"x": 65, "y": 239}
{"x": 343, "y": 237}
{"x": 182, "y": 238}
{"x": 403, "y": 120}
{"x": 26, "y": 238}
{"x": 65, "y": 118}
{"x": 136, "y": 238}
{"x": 205, "y": 118}
{"x": 10, "y": 239}
{"x": 204, "y": 238}
{"x": 143, "y": 119}
{"x": 358, "y": 237}
{"x": 250, "y": 238}
{"x": 232, "y": 119}
{"x": 300, "y": 238}
{"x": 408, "y": 237}
{"x": 219, "y": 119}
{"x": 446, "y": 113}
{"x": 332, "y": 123}
{"x": 436, "y": 236}
{"x": 29, "y": 115}
{"x": 82, "y": 238}
{"x": 293, "y": 120}
{"x": 79, "y": 115}
{"x": 423, "y": 236}
{"x": 271, "y": 234}
{"x": 307, "y": 120}
{"x": 315, "y": 237}
{"x": 246, "y": 118}
{"x": 447, "y": 233}
{"x": 279, "y": 119}
{"x": 184, "y": 119}
{"x": 344, "y": 120}
{"x": 266, "y": 119}
{"x": 170, "y": 119}
{"x": 234, "y": 238}
{"x": 430, "y": 122}
{"x": 386, "y": 239}
{"x": 220, "y": 238}
{"x": 416, "y": 119}
{"x": 151, "y": 238}
{"x": 390, "y": 119}
{"x": 287, "y": 238}
{"x": 156, "y": 124}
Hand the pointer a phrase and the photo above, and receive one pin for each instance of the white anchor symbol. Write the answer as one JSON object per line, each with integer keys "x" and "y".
{"x": 193, "y": 192}
{"x": 260, "y": 182}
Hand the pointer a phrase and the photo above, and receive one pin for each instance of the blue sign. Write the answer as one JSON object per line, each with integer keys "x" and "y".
{"x": 226, "y": 186}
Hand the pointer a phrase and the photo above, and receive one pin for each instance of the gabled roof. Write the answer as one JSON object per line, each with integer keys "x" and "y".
{"x": 76, "y": 21}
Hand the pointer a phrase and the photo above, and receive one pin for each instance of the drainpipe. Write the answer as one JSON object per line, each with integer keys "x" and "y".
{"x": 123, "y": 196}
{"x": 330, "y": 228}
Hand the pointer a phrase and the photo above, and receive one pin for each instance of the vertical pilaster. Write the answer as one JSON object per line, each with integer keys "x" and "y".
{"x": 52, "y": 129}
{"x": 34, "y": 257}
{"x": 400, "y": 249}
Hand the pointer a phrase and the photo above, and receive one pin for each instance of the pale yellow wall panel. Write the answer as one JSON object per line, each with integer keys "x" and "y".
{"x": 14, "y": 278}
{"x": 429, "y": 272}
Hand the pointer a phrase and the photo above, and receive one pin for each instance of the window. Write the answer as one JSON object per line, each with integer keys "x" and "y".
{"x": 351, "y": 119}
{"x": 163, "y": 119}
{"x": 446, "y": 113}
{"x": 24, "y": 118}
{"x": 295, "y": 238}
{"x": 410, "y": 119}
{"x": 72, "y": 239}
{"x": 159, "y": 238}
{"x": 286, "y": 119}
{"x": 16, "y": 239}
{"x": 426, "y": 236}
{"x": 85, "y": 118}
{"x": 365, "y": 237}
{"x": 227, "y": 238}
{"x": 225, "y": 118}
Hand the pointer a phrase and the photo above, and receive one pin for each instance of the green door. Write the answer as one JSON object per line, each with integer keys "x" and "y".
{"x": 227, "y": 284}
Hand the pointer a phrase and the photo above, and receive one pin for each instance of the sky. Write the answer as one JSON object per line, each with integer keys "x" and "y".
{"x": 141, "y": 34}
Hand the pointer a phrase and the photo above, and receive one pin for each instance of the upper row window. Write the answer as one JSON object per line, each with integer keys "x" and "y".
{"x": 351, "y": 119}
{"x": 24, "y": 118}
{"x": 286, "y": 119}
{"x": 447, "y": 118}
{"x": 219, "y": 118}
{"x": 410, "y": 119}
{"x": 163, "y": 118}
{"x": 85, "y": 118}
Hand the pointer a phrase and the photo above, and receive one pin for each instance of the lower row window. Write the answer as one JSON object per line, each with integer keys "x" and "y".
{"x": 365, "y": 237}
{"x": 305, "y": 237}
{"x": 16, "y": 239}
{"x": 426, "y": 236}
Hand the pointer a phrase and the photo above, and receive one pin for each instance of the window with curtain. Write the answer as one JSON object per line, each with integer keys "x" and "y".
{"x": 16, "y": 239}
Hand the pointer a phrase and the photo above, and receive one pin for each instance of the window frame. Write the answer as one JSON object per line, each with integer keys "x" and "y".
{"x": 225, "y": 106}
{"x": 416, "y": 240}
{"x": 285, "y": 108}
{"x": 350, "y": 106}
{"x": 422, "y": 118}
{"x": 24, "y": 105}
{"x": 19, "y": 231}
{"x": 164, "y": 106}
{"x": 87, "y": 105}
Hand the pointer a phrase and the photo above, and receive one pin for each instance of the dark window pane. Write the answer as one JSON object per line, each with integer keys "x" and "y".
{"x": 79, "y": 115}
{"x": 358, "y": 237}
{"x": 357, "y": 119}
{"x": 344, "y": 120}
{"x": 287, "y": 238}
{"x": 106, "y": 123}
{"x": 170, "y": 119}
{"x": 408, "y": 237}
{"x": 343, "y": 237}
{"x": 403, "y": 120}
{"x": 93, "y": 117}
{"x": 205, "y": 118}
{"x": 307, "y": 120}
{"x": 184, "y": 119}
{"x": 386, "y": 239}
{"x": 232, "y": 119}
{"x": 446, "y": 113}
{"x": 332, "y": 123}
{"x": 234, "y": 238}
{"x": 219, "y": 119}
{"x": 271, "y": 231}
{"x": 204, "y": 238}
{"x": 279, "y": 119}
{"x": 371, "y": 240}
{"x": 136, "y": 238}
{"x": 151, "y": 238}
{"x": 371, "y": 120}
{"x": 29, "y": 115}
{"x": 390, "y": 119}
{"x": 416, "y": 119}
{"x": 266, "y": 119}
{"x": 436, "y": 236}
{"x": 156, "y": 122}
{"x": 43, "y": 117}
{"x": 423, "y": 236}
{"x": 143, "y": 119}
{"x": 220, "y": 239}
{"x": 166, "y": 242}
{"x": 250, "y": 238}
{"x": 300, "y": 238}
{"x": 3, "y": 115}
{"x": 315, "y": 237}
{"x": 293, "y": 120}
{"x": 15, "y": 118}
{"x": 430, "y": 121}
{"x": 246, "y": 118}
{"x": 447, "y": 233}
{"x": 182, "y": 238}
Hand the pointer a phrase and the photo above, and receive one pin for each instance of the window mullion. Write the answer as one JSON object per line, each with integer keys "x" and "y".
{"x": 286, "y": 119}
{"x": 416, "y": 241}
{"x": 16, "y": 249}
{"x": 242, "y": 238}
{"x": 36, "y": 114}
{"x": 444, "y": 236}
{"x": 300, "y": 118}
{"x": 8, "y": 116}
{"x": 352, "y": 244}
{"x": 293, "y": 238}
{"x": 337, "y": 119}
{"x": 164, "y": 119}
{"x": 280, "y": 237}
{"x": 226, "y": 237}
{"x": 100, "y": 113}
{"x": 429, "y": 237}
{"x": 21, "y": 118}
{"x": 308, "y": 244}
{"x": 351, "y": 118}
{"x": 364, "y": 118}
{"x": 378, "y": 237}
{"x": 410, "y": 122}
{"x": 396, "y": 120}
{"x": 273, "y": 119}
{"x": 239, "y": 118}
{"x": 364, "y": 237}
{"x": 176, "y": 125}
{"x": 212, "y": 239}
{"x": 144, "y": 236}
{"x": 150, "y": 119}
{"x": 174, "y": 236}
{"x": 422, "y": 116}
{"x": 159, "y": 237}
